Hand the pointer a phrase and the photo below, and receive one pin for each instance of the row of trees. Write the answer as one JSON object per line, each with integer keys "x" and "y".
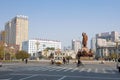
{"x": 112, "y": 56}
{"x": 22, "y": 55}
{"x": 1, "y": 51}
{"x": 8, "y": 54}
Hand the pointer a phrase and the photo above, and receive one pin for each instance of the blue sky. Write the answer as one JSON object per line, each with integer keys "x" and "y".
{"x": 64, "y": 20}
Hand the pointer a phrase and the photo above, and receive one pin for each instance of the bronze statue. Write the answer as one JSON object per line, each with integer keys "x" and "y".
{"x": 85, "y": 39}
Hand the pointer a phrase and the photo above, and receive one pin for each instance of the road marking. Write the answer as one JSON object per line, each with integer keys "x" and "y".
{"x": 89, "y": 70}
{"x": 74, "y": 69}
{"x": 6, "y": 79}
{"x": 28, "y": 77}
{"x": 62, "y": 78}
{"x": 67, "y": 69}
{"x": 82, "y": 69}
{"x": 96, "y": 70}
{"x": 113, "y": 72}
{"x": 61, "y": 69}
{"x": 104, "y": 70}
{"x": 53, "y": 69}
{"x": 84, "y": 77}
{"x": 44, "y": 69}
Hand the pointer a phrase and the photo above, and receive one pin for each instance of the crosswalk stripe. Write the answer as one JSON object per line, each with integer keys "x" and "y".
{"x": 44, "y": 69}
{"x": 82, "y": 69}
{"x": 67, "y": 69}
{"x": 96, "y": 70}
{"x": 89, "y": 70}
{"x": 74, "y": 69}
{"x": 111, "y": 71}
{"x": 104, "y": 70}
{"x": 53, "y": 69}
{"x": 60, "y": 69}
{"x": 71, "y": 69}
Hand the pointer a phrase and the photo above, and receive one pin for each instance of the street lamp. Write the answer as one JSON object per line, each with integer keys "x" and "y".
{"x": 117, "y": 50}
{"x": 11, "y": 51}
{"x": 5, "y": 45}
{"x": 37, "y": 45}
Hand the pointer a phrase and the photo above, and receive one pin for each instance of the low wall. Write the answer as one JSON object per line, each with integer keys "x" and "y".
{"x": 86, "y": 58}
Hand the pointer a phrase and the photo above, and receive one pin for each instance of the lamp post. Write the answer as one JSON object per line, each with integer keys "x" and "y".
{"x": 117, "y": 50}
{"x": 37, "y": 46}
{"x": 11, "y": 51}
{"x": 5, "y": 45}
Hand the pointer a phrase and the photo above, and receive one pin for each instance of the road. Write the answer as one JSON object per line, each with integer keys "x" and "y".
{"x": 46, "y": 71}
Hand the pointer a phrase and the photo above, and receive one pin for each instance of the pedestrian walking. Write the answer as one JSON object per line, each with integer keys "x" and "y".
{"x": 26, "y": 61}
{"x": 68, "y": 60}
{"x": 78, "y": 64}
{"x": 52, "y": 61}
{"x": 64, "y": 60}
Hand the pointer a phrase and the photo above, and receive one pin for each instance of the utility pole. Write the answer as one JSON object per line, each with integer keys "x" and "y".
{"x": 37, "y": 46}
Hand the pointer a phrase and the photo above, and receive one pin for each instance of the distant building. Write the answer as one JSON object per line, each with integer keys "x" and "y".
{"x": 93, "y": 44}
{"x": 2, "y": 36}
{"x": 106, "y": 43}
{"x": 70, "y": 53}
{"x": 76, "y": 45}
{"x": 16, "y": 30}
{"x": 113, "y": 36}
{"x": 37, "y": 45}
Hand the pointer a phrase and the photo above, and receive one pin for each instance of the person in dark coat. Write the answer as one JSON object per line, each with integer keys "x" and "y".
{"x": 52, "y": 61}
{"x": 78, "y": 64}
{"x": 64, "y": 60}
{"x": 26, "y": 61}
{"x": 68, "y": 59}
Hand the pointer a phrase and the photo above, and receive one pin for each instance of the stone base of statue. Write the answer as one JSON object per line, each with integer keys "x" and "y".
{"x": 85, "y": 49}
{"x": 87, "y": 58}
{"x": 85, "y": 54}
{"x": 37, "y": 59}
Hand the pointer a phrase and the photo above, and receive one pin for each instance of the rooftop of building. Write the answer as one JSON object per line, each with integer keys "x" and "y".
{"x": 45, "y": 39}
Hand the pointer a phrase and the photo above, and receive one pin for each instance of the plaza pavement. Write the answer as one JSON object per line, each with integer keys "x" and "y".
{"x": 43, "y": 70}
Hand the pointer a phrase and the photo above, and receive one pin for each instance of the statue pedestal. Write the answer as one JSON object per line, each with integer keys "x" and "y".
{"x": 37, "y": 59}
{"x": 87, "y": 58}
{"x": 85, "y": 49}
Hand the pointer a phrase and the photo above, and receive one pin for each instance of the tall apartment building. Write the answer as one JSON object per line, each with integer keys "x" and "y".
{"x": 76, "y": 45}
{"x": 16, "y": 30}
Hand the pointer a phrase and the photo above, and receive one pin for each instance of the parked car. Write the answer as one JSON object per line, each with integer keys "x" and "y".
{"x": 58, "y": 61}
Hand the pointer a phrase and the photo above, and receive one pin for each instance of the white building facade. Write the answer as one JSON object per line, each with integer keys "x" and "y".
{"x": 34, "y": 46}
{"x": 76, "y": 45}
{"x": 106, "y": 43}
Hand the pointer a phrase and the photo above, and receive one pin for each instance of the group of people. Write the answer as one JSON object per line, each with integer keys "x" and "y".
{"x": 66, "y": 60}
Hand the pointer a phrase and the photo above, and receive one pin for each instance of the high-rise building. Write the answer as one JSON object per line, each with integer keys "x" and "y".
{"x": 76, "y": 45}
{"x": 16, "y": 30}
